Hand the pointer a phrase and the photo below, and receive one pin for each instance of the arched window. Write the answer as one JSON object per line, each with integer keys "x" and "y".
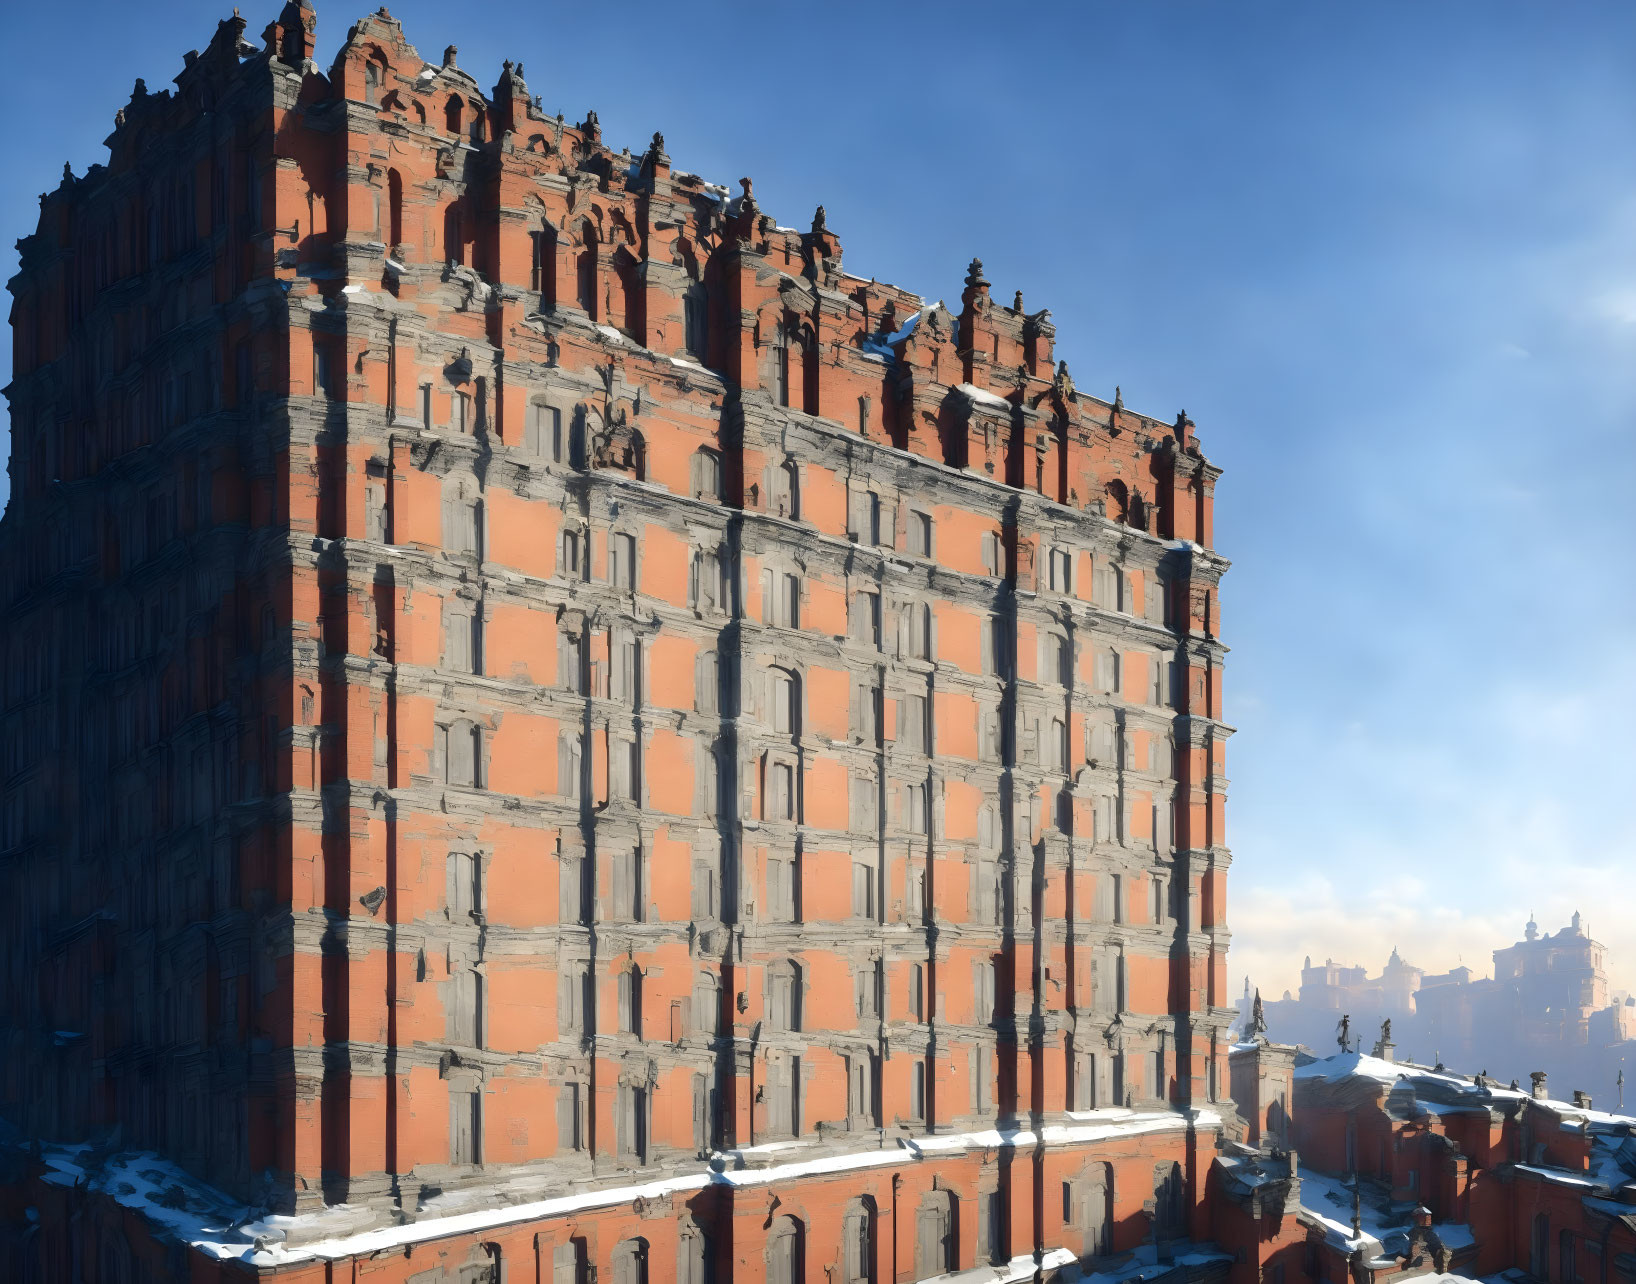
{"x": 453, "y": 114}
{"x": 784, "y": 483}
{"x": 394, "y": 191}
{"x": 705, "y": 695}
{"x": 786, "y": 1252}
{"x": 374, "y": 77}
{"x": 935, "y": 1242}
{"x": 786, "y": 699}
{"x": 477, "y": 123}
{"x": 858, "y": 1242}
{"x": 706, "y": 474}
{"x": 630, "y": 1262}
{"x": 1169, "y": 1202}
{"x": 460, "y": 748}
{"x": 1539, "y": 1264}
{"x": 1094, "y": 1213}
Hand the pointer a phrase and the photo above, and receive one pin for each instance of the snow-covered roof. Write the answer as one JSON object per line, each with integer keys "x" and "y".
{"x": 1350, "y": 1065}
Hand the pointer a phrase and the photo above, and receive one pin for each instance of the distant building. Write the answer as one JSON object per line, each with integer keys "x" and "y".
{"x": 1548, "y": 1006}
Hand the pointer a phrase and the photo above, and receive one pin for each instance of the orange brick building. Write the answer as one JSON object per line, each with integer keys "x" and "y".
{"x": 552, "y": 728}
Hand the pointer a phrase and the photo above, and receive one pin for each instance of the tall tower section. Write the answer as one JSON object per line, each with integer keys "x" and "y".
{"x": 534, "y": 693}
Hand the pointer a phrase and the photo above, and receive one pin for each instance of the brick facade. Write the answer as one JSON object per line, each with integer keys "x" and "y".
{"x": 528, "y": 679}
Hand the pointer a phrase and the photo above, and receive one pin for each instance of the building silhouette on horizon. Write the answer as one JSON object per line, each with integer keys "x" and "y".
{"x": 1548, "y": 1006}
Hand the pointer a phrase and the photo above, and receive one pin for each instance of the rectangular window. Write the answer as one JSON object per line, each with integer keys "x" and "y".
{"x": 630, "y": 1002}
{"x": 863, "y": 889}
{"x": 918, "y": 808}
{"x": 917, "y": 993}
{"x": 1061, "y": 570}
{"x": 460, "y": 412}
{"x": 789, "y": 601}
{"x": 568, "y": 1263}
{"x": 988, "y": 1228}
{"x": 917, "y": 1091}
{"x": 860, "y": 1073}
{"x": 321, "y": 373}
{"x": 570, "y": 1117}
{"x": 916, "y": 733}
{"x": 920, "y": 534}
{"x": 465, "y": 643}
{"x": 783, "y": 999}
{"x": 705, "y": 695}
{"x": 542, "y": 432}
{"x": 781, "y": 898}
{"x": 426, "y": 406}
{"x": 993, "y": 553}
{"x": 628, "y": 891}
{"x": 781, "y": 791}
{"x": 571, "y": 887}
{"x": 704, "y": 892}
{"x": 865, "y": 805}
{"x": 866, "y": 991}
{"x": 574, "y": 999}
{"x": 465, "y": 1127}
{"x": 465, "y": 1016}
{"x": 622, "y": 561}
{"x": 570, "y": 766}
{"x": 866, "y": 619}
{"x": 627, "y": 668}
{"x": 574, "y": 560}
{"x": 464, "y": 885}
{"x": 983, "y": 979}
{"x": 706, "y": 1006}
{"x": 632, "y": 1122}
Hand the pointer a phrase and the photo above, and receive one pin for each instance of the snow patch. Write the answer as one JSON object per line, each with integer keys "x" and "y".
{"x": 1350, "y": 1065}
{"x": 983, "y": 397}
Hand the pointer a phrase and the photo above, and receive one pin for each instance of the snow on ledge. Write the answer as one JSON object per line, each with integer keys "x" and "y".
{"x": 213, "y": 1224}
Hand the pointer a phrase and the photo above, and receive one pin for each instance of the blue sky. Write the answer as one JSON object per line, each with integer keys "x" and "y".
{"x": 1383, "y": 254}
